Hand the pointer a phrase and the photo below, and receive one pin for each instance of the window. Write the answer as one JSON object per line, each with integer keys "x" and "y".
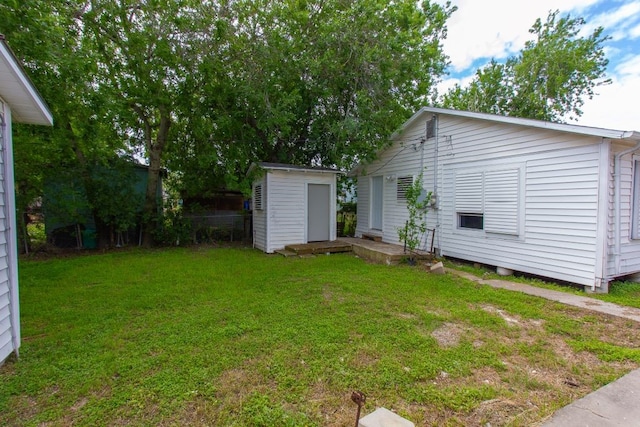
{"x": 635, "y": 220}
{"x": 471, "y": 220}
{"x": 257, "y": 197}
{"x": 488, "y": 200}
{"x": 403, "y": 183}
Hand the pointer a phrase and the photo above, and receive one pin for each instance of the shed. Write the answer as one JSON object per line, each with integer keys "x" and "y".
{"x": 555, "y": 200}
{"x": 292, "y": 205}
{"x": 19, "y": 102}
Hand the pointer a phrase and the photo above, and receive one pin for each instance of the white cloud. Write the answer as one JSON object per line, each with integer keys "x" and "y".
{"x": 499, "y": 28}
{"x": 617, "y": 21}
{"x": 634, "y": 32}
{"x": 495, "y": 28}
{"x": 616, "y": 107}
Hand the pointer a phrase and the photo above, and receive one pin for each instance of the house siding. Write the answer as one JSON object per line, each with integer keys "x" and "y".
{"x": 9, "y": 308}
{"x": 552, "y": 229}
{"x": 408, "y": 155}
{"x": 559, "y": 198}
{"x": 629, "y": 247}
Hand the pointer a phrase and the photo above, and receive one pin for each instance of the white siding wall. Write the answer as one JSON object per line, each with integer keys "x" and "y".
{"x": 557, "y": 212}
{"x": 408, "y": 155}
{"x": 286, "y": 209}
{"x": 559, "y": 198}
{"x": 284, "y": 218}
{"x": 629, "y": 248}
{"x": 9, "y": 308}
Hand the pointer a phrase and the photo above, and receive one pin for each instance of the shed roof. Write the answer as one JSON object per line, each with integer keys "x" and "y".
{"x": 17, "y": 90}
{"x": 287, "y": 167}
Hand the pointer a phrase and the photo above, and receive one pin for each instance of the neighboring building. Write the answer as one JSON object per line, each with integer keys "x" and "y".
{"x": 19, "y": 102}
{"x": 66, "y": 207}
{"x": 293, "y": 204}
{"x": 556, "y": 200}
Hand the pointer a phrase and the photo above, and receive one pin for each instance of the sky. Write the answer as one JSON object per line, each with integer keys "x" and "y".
{"x": 483, "y": 29}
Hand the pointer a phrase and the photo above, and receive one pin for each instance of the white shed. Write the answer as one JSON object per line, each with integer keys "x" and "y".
{"x": 555, "y": 200}
{"x": 292, "y": 205}
{"x": 20, "y": 102}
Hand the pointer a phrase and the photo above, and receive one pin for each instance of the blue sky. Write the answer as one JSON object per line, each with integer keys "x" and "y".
{"x": 483, "y": 29}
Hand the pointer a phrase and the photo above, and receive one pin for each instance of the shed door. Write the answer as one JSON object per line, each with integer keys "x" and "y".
{"x": 318, "y": 217}
{"x": 376, "y": 202}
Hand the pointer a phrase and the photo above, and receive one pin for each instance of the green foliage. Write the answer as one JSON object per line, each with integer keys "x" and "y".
{"x": 173, "y": 228}
{"x": 607, "y": 351}
{"x": 416, "y": 225}
{"x": 322, "y": 82}
{"x": 548, "y": 80}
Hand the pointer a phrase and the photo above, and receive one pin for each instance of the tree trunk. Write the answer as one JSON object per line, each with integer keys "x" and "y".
{"x": 151, "y": 208}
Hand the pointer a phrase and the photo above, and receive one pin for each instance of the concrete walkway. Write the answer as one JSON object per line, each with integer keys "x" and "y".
{"x": 616, "y": 404}
{"x": 580, "y": 301}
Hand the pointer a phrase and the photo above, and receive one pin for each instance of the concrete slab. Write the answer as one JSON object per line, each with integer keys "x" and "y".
{"x": 616, "y": 404}
{"x": 381, "y": 252}
{"x": 383, "y": 417}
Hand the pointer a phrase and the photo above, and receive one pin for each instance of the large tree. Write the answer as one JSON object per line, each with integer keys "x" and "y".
{"x": 46, "y": 37}
{"x": 548, "y": 80}
{"x": 145, "y": 55}
{"x": 319, "y": 82}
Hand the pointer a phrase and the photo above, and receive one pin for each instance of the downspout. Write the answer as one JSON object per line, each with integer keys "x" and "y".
{"x": 616, "y": 173}
{"x": 435, "y": 195}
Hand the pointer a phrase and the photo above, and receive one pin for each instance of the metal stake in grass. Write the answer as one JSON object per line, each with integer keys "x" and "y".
{"x": 358, "y": 398}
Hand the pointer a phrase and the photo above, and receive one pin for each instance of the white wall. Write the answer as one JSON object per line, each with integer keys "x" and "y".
{"x": 629, "y": 247}
{"x": 284, "y": 219}
{"x": 558, "y": 203}
{"x": 408, "y": 155}
{"x": 9, "y": 304}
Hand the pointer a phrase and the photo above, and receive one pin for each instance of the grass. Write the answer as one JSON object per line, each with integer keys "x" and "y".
{"x": 233, "y": 337}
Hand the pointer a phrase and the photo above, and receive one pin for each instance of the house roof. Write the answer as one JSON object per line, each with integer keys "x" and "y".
{"x": 287, "y": 167}
{"x": 17, "y": 90}
{"x": 561, "y": 127}
{"x": 633, "y": 137}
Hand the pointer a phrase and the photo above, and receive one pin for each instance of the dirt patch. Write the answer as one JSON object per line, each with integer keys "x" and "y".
{"x": 448, "y": 334}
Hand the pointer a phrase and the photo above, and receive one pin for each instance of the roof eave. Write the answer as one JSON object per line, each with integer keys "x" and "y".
{"x": 27, "y": 105}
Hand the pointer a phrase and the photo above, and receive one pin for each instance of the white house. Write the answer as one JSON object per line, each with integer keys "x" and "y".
{"x": 292, "y": 205}
{"x": 556, "y": 200}
{"x": 20, "y": 102}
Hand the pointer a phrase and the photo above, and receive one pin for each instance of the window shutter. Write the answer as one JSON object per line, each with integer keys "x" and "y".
{"x": 501, "y": 201}
{"x": 468, "y": 192}
{"x": 257, "y": 197}
{"x": 402, "y": 184}
{"x": 431, "y": 127}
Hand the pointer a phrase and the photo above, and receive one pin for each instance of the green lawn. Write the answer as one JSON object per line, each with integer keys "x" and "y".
{"x": 235, "y": 337}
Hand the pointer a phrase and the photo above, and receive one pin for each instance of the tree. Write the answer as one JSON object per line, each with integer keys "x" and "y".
{"x": 416, "y": 225}
{"x": 319, "y": 82}
{"x": 48, "y": 40}
{"x": 141, "y": 50}
{"x": 548, "y": 80}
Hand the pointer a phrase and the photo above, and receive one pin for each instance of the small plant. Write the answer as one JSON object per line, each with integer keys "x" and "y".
{"x": 415, "y": 227}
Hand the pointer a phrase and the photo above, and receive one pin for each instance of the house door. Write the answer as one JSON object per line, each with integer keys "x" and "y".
{"x": 376, "y": 202}
{"x": 318, "y": 209}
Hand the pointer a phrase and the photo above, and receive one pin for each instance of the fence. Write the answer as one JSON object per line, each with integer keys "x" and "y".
{"x": 220, "y": 226}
